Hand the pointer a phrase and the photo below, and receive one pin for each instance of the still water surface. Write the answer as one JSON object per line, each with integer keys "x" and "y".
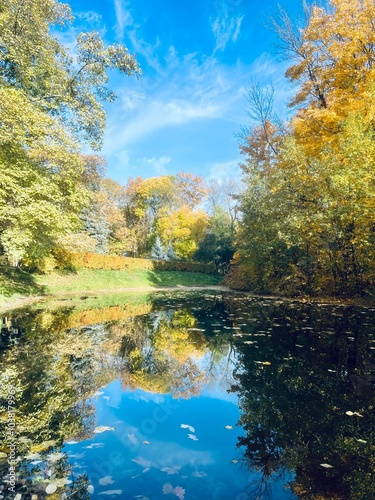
{"x": 188, "y": 396}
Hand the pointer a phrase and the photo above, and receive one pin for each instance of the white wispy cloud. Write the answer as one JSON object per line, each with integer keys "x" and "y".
{"x": 202, "y": 90}
{"x": 124, "y": 18}
{"x": 179, "y": 94}
{"x": 225, "y": 29}
{"x": 90, "y": 17}
{"x": 158, "y": 164}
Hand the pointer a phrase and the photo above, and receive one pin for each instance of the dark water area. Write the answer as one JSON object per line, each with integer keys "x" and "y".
{"x": 188, "y": 396}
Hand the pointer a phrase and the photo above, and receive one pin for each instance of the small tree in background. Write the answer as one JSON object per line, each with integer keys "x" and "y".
{"x": 170, "y": 253}
{"x": 158, "y": 251}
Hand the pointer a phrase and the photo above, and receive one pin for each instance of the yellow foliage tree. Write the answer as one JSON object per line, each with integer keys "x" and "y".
{"x": 184, "y": 229}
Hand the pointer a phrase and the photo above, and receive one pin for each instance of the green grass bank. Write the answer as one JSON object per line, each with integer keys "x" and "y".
{"x": 18, "y": 287}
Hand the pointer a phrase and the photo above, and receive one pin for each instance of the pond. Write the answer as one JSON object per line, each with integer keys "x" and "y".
{"x": 188, "y": 396}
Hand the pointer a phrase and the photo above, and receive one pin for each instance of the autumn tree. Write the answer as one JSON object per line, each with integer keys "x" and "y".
{"x": 308, "y": 209}
{"x": 184, "y": 229}
{"x": 150, "y": 202}
{"x": 50, "y": 100}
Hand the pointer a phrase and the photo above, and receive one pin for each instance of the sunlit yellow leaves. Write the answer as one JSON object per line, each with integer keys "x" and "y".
{"x": 309, "y": 216}
{"x": 336, "y": 71}
{"x": 184, "y": 228}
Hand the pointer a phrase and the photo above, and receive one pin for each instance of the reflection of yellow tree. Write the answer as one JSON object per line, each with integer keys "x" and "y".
{"x": 179, "y": 339}
{"x": 166, "y": 361}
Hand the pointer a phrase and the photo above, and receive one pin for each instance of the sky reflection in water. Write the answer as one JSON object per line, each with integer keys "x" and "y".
{"x": 215, "y": 396}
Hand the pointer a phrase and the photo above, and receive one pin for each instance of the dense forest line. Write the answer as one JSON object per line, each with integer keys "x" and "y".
{"x": 303, "y": 224}
{"x": 308, "y": 210}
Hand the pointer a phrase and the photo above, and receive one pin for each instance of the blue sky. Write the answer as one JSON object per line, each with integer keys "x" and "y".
{"x": 197, "y": 58}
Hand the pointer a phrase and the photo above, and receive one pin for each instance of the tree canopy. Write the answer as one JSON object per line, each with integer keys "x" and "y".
{"x": 308, "y": 211}
{"x": 50, "y": 100}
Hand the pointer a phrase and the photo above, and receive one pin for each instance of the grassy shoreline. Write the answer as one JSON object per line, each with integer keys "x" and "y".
{"x": 18, "y": 288}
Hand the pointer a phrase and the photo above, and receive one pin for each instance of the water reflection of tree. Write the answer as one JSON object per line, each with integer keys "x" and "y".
{"x": 298, "y": 371}
{"x": 295, "y": 381}
{"x": 54, "y": 373}
{"x": 161, "y": 353}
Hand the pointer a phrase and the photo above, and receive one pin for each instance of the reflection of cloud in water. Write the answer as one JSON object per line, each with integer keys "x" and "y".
{"x": 199, "y": 473}
{"x": 174, "y": 457}
{"x": 139, "y": 395}
{"x": 171, "y": 471}
{"x": 93, "y": 445}
{"x": 215, "y": 393}
{"x": 111, "y": 492}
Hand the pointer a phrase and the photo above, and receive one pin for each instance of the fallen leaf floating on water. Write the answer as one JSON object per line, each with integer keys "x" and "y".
{"x": 352, "y": 413}
{"x": 234, "y": 461}
{"x": 63, "y": 481}
{"x": 267, "y": 363}
{"x": 178, "y": 491}
{"x": 327, "y": 466}
{"x": 55, "y": 457}
{"x": 24, "y": 439}
{"x": 106, "y": 480}
{"x": 94, "y": 445}
{"x": 3, "y": 455}
{"x": 360, "y": 440}
{"x": 111, "y": 492}
{"x": 193, "y": 437}
{"x": 90, "y": 488}
{"x": 228, "y": 427}
{"x": 103, "y": 428}
{"x": 146, "y": 442}
{"x": 186, "y": 426}
{"x": 51, "y": 488}
{"x": 46, "y": 444}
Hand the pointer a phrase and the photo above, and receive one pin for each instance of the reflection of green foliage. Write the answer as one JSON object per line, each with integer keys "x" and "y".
{"x": 46, "y": 366}
{"x": 296, "y": 383}
{"x": 294, "y": 408}
{"x": 57, "y": 367}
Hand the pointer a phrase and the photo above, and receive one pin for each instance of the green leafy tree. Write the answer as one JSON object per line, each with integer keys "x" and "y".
{"x": 217, "y": 244}
{"x": 48, "y": 101}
